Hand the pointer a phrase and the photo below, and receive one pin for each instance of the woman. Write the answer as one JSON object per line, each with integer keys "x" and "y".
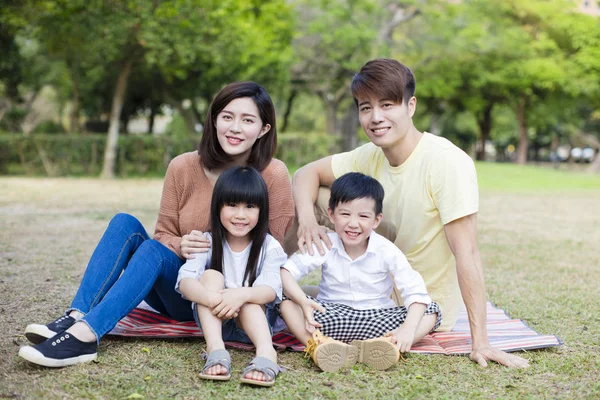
{"x": 128, "y": 267}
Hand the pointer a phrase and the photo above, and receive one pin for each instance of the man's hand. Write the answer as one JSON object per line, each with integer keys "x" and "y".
{"x": 233, "y": 300}
{"x": 308, "y": 309}
{"x": 194, "y": 242}
{"x": 309, "y": 233}
{"x": 484, "y": 354}
{"x": 404, "y": 338}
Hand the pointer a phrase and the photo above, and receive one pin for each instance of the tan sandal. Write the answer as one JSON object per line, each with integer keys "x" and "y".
{"x": 378, "y": 353}
{"x": 330, "y": 355}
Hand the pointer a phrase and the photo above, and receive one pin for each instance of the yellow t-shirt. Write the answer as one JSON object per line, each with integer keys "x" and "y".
{"x": 436, "y": 185}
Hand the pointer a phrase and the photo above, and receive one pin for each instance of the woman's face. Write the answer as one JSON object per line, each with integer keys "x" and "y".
{"x": 238, "y": 127}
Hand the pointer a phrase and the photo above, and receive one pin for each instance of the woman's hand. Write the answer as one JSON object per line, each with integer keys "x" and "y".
{"x": 194, "y": 242}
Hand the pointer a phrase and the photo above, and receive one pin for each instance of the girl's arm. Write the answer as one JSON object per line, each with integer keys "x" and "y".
{"x": 196, "y": 292}
{"x": 234, "y": 299}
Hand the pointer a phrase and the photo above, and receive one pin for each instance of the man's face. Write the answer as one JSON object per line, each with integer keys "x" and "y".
{"x": 354, "y": 221}
{"x": 384, "y": 121}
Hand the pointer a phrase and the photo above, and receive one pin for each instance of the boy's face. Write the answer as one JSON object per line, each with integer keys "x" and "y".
{"x": 354, "y": 221}
{"x": 384, "y": 121}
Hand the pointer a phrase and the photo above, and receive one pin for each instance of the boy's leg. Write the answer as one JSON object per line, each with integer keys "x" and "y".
{"x": 211, "y": 325}
{"x": 253, "y": 321}
{"x": 294, "y": 319}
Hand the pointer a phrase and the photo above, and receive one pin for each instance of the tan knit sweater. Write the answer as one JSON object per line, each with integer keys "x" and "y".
{"x": 185, "y": 202}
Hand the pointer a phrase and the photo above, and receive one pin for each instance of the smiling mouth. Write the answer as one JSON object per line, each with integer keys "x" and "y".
{"x": 352, "y": 235}
{"x": 234, "y": 140}
{"x": 379, "y": 131}
{"x": 239, "y": 225}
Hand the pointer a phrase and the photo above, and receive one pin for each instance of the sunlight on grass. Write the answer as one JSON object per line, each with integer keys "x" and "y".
{"x": 512, "y": 177}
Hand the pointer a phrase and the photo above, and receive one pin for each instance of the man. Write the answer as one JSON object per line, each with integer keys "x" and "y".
{"x": 431, "y": 198}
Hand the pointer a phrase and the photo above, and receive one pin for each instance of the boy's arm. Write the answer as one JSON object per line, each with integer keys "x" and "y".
{"x": 294, "y": 292}
{"x": 462, "y": 239}
{"x": 305, "y": 188}
{"x": 405, "y": 334}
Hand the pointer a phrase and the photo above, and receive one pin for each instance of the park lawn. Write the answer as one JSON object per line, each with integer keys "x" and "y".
{"x": 539, "y": 246}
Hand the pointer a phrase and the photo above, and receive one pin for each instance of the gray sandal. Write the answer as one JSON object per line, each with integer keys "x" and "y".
{"x": 217, "y": 357}
{"x": 264, "y": 365}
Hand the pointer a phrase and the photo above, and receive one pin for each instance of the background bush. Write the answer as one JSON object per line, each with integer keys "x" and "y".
{"x": 138, "y": 155}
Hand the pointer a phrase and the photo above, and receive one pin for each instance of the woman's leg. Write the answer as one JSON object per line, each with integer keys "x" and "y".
{"x": 253, "y": 321}
{"x": 211, "y": 325}
{"x": 120, "y": 241}
{"x": 151, "y": 262}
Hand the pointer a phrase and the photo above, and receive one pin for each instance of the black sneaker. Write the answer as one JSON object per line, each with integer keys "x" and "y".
{"x": 59, "y": 351}
{"x": 37, "y": 333}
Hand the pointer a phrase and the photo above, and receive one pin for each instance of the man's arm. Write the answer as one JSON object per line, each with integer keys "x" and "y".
{"x": 305, "y": 188}
{"x": 462, "y": 238}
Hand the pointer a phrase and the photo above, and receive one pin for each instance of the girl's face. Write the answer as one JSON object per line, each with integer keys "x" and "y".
{"x": 239, "y": 126}
{"x": 239, "y": 219}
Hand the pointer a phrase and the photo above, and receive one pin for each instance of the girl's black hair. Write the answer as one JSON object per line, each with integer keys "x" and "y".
{"x": 239, "y": 185}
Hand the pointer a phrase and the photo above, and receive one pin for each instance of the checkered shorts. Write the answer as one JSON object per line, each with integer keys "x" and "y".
{"x": 346, "y": 323}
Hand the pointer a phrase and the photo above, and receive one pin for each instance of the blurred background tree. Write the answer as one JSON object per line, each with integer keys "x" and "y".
{"x": 492, "y": 75}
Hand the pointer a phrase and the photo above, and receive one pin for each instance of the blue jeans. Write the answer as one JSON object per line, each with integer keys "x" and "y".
{"x": 126, "y": 268}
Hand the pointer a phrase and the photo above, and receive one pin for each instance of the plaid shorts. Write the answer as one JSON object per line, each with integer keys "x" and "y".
{"x": 347, "y": 324}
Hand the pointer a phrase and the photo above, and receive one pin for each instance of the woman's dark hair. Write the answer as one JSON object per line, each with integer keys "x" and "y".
{"x": 211, "y": 152}
{"x": 239, "y": 185}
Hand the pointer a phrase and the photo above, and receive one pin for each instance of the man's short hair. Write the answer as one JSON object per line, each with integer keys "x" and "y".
{"x": 385, "y": 79}
{"x": 354, "y": 185}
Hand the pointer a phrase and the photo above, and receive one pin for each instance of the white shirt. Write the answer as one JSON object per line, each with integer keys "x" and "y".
{"x": 234, "y": 266}
{"x": 363, "y": 283}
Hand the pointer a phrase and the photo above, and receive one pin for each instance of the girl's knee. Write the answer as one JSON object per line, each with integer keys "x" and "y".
{"x": 212, "y": 278}
{"x": 251, "y": 308}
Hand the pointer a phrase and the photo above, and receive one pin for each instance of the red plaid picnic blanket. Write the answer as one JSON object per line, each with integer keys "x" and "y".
{"x": 503, "y": 332}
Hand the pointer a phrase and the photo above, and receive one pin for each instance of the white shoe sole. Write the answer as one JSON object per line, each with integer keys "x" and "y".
{"x": 333, "y": 356}
{"x": 379, "y": 354}
{"x": 37, "y": 333}
{"x": 32, "y": 355}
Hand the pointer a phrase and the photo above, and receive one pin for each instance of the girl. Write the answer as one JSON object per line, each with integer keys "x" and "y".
{"x": 128, "y": 267}
{"x": 239, "y": 278}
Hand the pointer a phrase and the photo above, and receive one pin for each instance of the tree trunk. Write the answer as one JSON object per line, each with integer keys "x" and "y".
{"x": 74, "y": 120}
{"x": 349, "y": 125}
{"x": 151, "y": 119}
{"x": 595, "y": 165}
{"x": 288, "y": 109}
{"x": 523, "y": 140}
{"x": 331, "y": 123}
{"x": 485, "y": 126}
{"x": 110, "y": 151}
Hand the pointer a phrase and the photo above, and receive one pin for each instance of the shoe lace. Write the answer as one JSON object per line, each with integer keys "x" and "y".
{"x": 310, "y": 348}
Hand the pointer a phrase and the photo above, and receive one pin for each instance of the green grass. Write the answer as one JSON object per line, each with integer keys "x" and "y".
{"x": 530, "y": 178}
{"x": 541, "y": 263}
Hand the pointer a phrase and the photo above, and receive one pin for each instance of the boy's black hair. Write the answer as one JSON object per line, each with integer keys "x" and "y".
{"x": 239, "y": 185}
{"x": 354, "y": 185}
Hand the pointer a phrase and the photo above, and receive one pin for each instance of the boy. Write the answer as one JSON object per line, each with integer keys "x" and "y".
{"x": 358, "y": 275}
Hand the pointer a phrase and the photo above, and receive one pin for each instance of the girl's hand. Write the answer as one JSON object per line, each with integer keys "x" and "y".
{"x": 404, "y": 338}
{"x": 308, "y": 308}
{"x": 233, "y": 300}
{"x": 194, "y": 242}
{"x": 214, "y": 299}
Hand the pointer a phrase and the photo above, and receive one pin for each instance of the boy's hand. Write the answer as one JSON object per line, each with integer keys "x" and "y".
{"x": 404, "y": 338}
{"x": 308, "y": 308}
{"x": 232, "y": 301}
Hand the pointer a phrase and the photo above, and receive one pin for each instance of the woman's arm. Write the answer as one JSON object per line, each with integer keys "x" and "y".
{"x": 281, "y": 203}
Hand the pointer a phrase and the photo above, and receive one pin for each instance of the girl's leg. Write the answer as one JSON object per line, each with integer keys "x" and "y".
{"x": 253, "y": 321}
{"x": 211, "y": 325}
{"x": 120, "y": 241}
{"x": 150, "y": 263}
